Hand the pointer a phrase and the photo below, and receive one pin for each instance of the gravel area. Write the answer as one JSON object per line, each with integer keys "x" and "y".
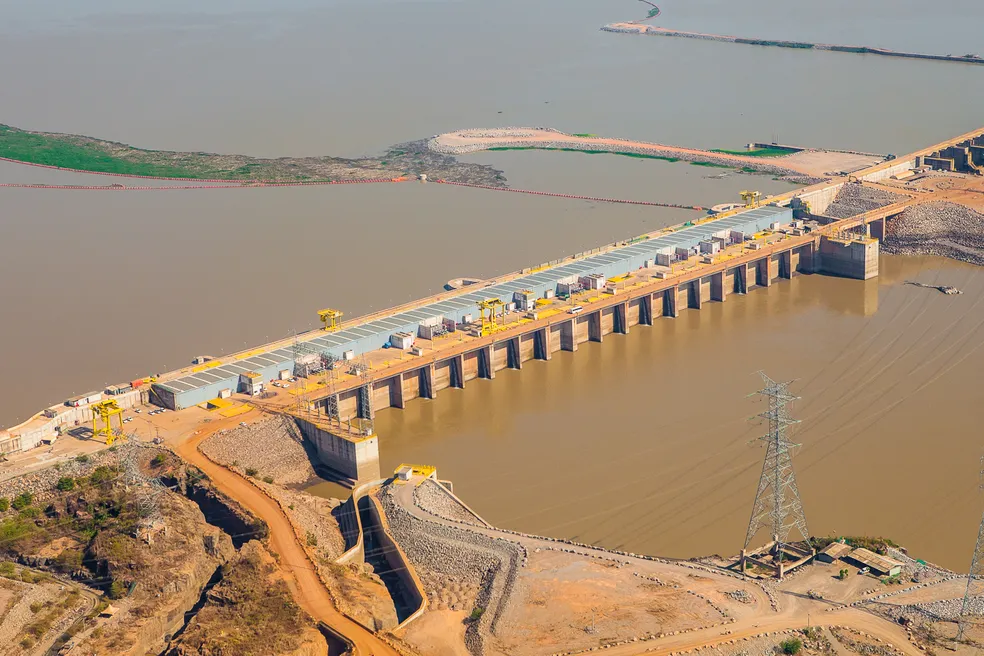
{"x": 459, "y": 558}
{"x": 435, "y": 499}
{"x": 940, "y": 228}
{"x": 853, "y": 199}
{"x": 273, "y": 447}
{"x": 41, "y": 483}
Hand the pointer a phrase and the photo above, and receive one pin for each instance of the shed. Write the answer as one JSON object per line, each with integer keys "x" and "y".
{"x": 880, "y": 565}
{"x": 833, "y": 551}
{"x": 404, "y": 473}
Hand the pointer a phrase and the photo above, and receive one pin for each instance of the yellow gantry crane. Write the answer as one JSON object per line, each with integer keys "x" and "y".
{"x": 751, "y": 198}
{"x": 490, "y": 321}
{"x": 331, "y": 319}
{"x": 105, "y": 411}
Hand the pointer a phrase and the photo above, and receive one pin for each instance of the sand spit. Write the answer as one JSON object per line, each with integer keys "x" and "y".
{"x": 461, "y": 142}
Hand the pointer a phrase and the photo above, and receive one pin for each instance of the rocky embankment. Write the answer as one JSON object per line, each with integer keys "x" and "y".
{"x": 941, "y": 228}
{"x": 457, "y": 559}
{"x": 433, "y": 498}
{"x": 272, "y": 454}
{"x": 854, "y": 199}
{"x": 531, "y": 138}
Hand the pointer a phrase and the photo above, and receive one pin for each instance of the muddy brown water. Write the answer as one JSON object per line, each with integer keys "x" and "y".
{"x": 100, "y": 287}
{"x": 645, "y": 442}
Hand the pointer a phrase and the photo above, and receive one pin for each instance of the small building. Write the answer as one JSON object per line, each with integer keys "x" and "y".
{"x": 404, "y": 340}
{"x": 879, "y": 565}
{"x": 404, "y": 473}
{"x": 85, "y": 399}
{"x": 833, "y": 551}
{"x": 251, "y": 383}
{"x": 116, "y": 390}
{"x": 594, "y": 281}
{"x": 525, "y": 299}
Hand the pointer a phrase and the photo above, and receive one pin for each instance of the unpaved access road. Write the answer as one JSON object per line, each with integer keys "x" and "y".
{"x": 300, "y": 574}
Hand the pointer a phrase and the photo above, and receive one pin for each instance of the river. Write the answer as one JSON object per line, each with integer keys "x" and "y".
{"x": 99, "y": 287}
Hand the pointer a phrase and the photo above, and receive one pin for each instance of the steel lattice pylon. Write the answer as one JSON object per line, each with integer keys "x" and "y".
{"x": 777, "y": 502}
{"x": 975, "y": 579}
{"x": 147, "y": 492}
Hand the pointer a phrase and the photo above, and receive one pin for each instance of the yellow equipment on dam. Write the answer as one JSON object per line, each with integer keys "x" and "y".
{"x": 751, "y": 198}
{"x": 105, "y": 411}
{"x": 331, "y": 319}
{"x": 491, "y": 321}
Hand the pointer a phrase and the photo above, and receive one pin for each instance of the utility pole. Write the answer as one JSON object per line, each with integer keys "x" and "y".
{"x": 975, "y": 579}
{"x": 777, "y": 506}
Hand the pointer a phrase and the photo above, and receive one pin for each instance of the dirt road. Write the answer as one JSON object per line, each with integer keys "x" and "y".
{"x": 301, "y": 576}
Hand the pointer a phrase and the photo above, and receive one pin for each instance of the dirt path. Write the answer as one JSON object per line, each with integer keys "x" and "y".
{"x": 301, "y": 576}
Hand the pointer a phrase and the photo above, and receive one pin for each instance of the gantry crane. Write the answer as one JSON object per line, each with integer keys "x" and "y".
{"x": 331, "y": 319}
{"x": 105, "y": 411}
{"x": 490, "y": 323}
{"x": 751, "y": 198}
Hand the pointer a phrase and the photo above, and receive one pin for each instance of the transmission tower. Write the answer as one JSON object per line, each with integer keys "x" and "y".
{"x": 975, "y": 579}
{"x": 146, "y": 491}
{"x": 330, "y": 376}
{"x": 365, "y": 409}
{"x": 777, "y": 502}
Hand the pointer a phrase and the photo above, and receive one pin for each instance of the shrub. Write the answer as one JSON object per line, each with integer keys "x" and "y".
{"x": 4, "y": 504}
{"x": 251, "y": 472}
{"x": 102, "y": 475}
{"x": 30, "y": 512}
{"x": 65, "y": 483}
{"x": 476, "y": 613}
{"x": 23, "y": 500}
{"x": 268, "y": 479}
{"x": 7, "y": 569}
{"x": 27, "y": 642}
{"x": 82, "y": 458}
{"x": 158, "y": 460}
{"x": 117, "y": 590}
{"x": 791, "y": 647}
{"x": 843, "y": 574}
{"x": 312, "y": 539}
{"x": 36, "y": 606}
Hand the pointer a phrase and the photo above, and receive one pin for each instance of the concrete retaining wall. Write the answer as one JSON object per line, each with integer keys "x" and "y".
{"x": 400, "y": 564}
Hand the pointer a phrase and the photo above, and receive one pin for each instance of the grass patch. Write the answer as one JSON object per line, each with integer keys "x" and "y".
{"x": 65, "y": 152}
{"x": 584, "y": 134}
{"x": 755, "y": 152}
{"x": 589, "y": 152}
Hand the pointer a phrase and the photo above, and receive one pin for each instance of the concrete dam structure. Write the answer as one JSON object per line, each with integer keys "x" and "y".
{"x": 387, "y": 362}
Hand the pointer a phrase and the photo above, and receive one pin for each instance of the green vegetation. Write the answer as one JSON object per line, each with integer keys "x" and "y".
{"x": 23, "y": 500}
{"x": 71, "y": 152}
{"x": 587, "y": 135}
{"x": 476, "y": 613}
{"x": 755, "y": 152}
{"x": 4, "y": 504}
{"x": 251, "y": 472}
{"x": 82, "y": 458}
{"x": 312, "y": 539}
{"x": 791, "y": 647}
{"x": 843, "y": 574}
{"x": 589, "y": 152}
{"x": 711, "y": 164}
{"x": 65, "y": 483}
{"x": 158, "y": 460}
{"x": 268, "y": 479}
